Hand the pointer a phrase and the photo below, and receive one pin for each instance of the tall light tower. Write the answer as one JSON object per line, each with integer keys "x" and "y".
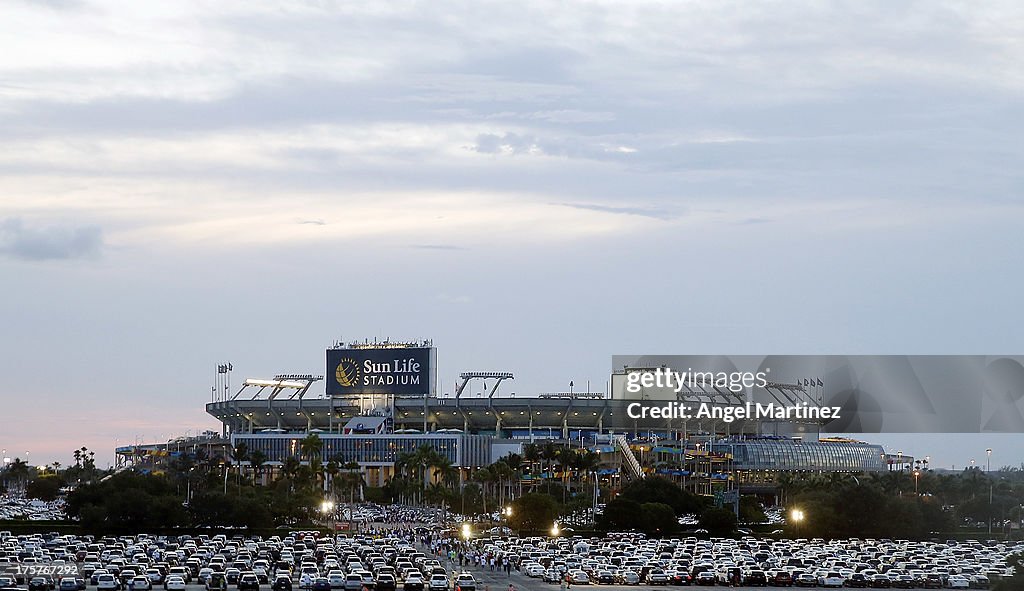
{"x": 988, "y": 473}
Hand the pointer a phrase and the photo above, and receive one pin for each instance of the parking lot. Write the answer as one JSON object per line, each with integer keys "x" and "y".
{"x": 408, "y": 545}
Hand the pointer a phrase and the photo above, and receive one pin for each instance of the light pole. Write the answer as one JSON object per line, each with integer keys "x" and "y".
{"x": 988, "y": 474}
{"x": 917, "y": 476}
{"x": 188, "y": 486}
{"x": 327, "y": 508}
{"x": 797, "y": 516}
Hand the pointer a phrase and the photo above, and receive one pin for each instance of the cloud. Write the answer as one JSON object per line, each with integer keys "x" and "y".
{"x": 437, "y": 247}
{"x": 648, "y": 212}
{"x": 40, "y": 243}
{"x": 454, "y": 299}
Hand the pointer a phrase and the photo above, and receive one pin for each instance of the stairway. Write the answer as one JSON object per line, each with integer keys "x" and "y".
{"x": 633, "y": 468}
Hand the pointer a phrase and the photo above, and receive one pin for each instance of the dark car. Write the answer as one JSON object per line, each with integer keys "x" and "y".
{"x": 218, "y": 581}
{"x": 680, "y": 578}
{"x": 605, "y": 577}
{"x": 386, "y": 582}
{"x": 755, "y": 578}
{"x": 932, "y": 581}
{"x": 857, "y": 580}
{"x": 881, "y": 582}
{"x": 248, "y": 582}
{"x": 782, "y": 579}
{"x": 39, "y": 584}
{"x": 904, "y": 582}
{"x": 282, "y": 583}
{"x": 321, "y": 584}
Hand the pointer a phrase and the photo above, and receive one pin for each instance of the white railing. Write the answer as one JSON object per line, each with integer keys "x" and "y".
{"x": 635, "y": 470}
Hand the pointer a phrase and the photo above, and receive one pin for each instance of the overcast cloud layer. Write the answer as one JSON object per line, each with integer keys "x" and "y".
{"x": 535, "y": 185}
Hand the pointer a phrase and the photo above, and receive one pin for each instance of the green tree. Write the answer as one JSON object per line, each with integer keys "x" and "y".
{"x": 719, "y": 522}
{"x": 1014, "y": 582}
{"x": 658, "y": 519}
{"x": 621, "y": 514}
{"x": 657, "y": 489}
{"x": 44, "y": 488}
{"x": 257, "y": 459}
{"x": 534, "y": 512}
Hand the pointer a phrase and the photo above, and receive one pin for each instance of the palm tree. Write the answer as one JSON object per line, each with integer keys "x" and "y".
{"x": 445, "y": 472}
{"x": 550, "y": 453}
{"x": 484, "y": 476}
{"x": 256, "y": 460}
{"x": 239, "y": 454}
{"x": 18, "y": 469}
{"x": 311, "y": 446}
{"x": 332, "y": 469}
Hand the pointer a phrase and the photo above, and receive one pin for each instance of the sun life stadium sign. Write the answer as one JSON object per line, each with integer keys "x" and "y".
{"x": 379, "y": 371}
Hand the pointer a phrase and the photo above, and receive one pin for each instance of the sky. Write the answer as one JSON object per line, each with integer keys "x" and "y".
{"x": 536, "y": 186}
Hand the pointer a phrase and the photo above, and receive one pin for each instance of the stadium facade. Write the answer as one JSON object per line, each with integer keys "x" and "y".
{"x": 380, "y": 399}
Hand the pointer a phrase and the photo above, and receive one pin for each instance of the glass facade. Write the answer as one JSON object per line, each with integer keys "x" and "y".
{"x": 468, "y": 451}
{"x": 824, "y": 456}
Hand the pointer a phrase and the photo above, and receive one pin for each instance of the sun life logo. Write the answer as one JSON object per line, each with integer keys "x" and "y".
{"x": 347, "y": 372}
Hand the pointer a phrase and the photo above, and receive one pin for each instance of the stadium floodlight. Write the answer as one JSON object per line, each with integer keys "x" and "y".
{"x": 257, "y": 382}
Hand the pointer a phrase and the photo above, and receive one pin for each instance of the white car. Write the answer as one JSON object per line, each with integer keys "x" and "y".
{"x": 174, "y": 583}
{"x": 957, "y": 582}
{"x": 831, "y": 579}
{"x": 534, "y": 570}
{"x": 141, "y": 583}
{"x": 337, "y": 580}
{"x": 107, "y": 581}
{"x": 438, "y": 583}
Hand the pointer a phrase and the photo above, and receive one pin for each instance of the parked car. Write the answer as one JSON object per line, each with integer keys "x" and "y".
{"x": 656, "y": 576}
{"x": 438, "y": 583}
{"x": 248, "y": 582}
{"x": 755, "y": 578}
{"x": 413, "y": 582}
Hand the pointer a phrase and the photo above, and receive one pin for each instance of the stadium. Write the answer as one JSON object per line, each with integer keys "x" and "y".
{"x": 380, "y": 400}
